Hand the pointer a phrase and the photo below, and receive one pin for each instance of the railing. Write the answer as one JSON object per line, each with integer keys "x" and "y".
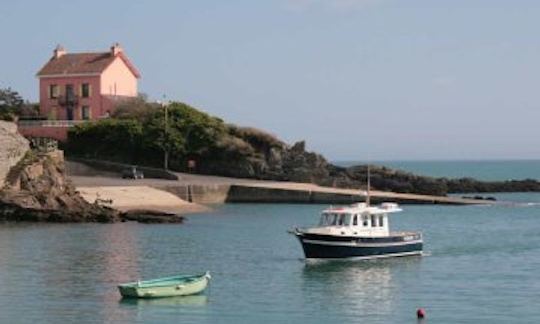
{"x": 50, "y": 123}
{"x": 68, "y": 100}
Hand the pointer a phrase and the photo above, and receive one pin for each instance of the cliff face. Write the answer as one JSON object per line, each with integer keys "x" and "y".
{"x": 12, "y": 148}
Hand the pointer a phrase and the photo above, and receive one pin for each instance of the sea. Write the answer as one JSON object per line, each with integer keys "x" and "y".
{"x": 481, "y": 265}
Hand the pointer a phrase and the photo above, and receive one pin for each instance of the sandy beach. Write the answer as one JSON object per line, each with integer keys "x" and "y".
{"x": 126, "y": 198}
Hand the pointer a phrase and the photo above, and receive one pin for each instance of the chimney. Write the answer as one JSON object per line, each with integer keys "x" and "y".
{"x": 115, "y": 49}
{"x": 59, "y": 51}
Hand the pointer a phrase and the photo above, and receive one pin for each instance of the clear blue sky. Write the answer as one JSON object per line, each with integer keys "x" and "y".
{"x": 357, "y": 79}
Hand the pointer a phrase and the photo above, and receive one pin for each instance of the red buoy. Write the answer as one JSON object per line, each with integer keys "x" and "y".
{"x": 420, "y": 313}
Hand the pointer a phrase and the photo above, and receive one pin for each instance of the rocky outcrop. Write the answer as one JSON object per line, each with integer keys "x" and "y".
{"x": 36, "y": 189}
{"x": 261, "y": 156}
{"x": 294, "y": 163}
{"x": 12, "y": 148}
{"x": 33, "y": 185}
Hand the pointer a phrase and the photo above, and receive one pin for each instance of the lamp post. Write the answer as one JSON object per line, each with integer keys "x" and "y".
{"x": 165, "y": 139}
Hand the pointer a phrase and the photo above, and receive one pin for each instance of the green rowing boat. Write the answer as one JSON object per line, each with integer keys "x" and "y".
{"x": 166, "y": 287}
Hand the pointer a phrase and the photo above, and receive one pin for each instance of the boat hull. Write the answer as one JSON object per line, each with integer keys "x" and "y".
{"x": 141, "y": 290}
{"x": 325, "y": 247}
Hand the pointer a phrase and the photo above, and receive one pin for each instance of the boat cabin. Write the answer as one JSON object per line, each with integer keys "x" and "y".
{"x": 356, "y": 220}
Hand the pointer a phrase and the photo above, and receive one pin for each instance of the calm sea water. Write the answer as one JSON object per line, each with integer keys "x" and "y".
{"x": 482, "y": 267}
{"x": 484, "y": 170}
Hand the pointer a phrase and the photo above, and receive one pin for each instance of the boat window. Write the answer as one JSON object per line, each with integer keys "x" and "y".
{"x": 365, "y": 220}
{"x": 381, "y": 221}
{"x": 329, "y": 219}
{"x": 341, "y": 220}
{"x": 347, "y": 219}
{"x": 355, "y": 220}
{"x": 334, "y": 219}
{"x": 324, "y": 220}
{"x": 373, "y": 224}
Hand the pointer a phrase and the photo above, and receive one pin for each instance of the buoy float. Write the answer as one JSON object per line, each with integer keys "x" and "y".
{"x": 420, "y": 313}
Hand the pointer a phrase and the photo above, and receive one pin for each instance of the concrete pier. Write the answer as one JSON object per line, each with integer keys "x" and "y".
{"x": 213, "y": 190}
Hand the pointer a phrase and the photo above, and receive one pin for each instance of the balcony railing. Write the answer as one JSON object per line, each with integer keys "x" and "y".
{"x": 68, "y": 100}
{"x": 51, "y": 123}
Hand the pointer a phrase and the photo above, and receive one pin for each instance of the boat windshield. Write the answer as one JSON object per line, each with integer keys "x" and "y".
{"x": 335, "y": 219}
{"x": 328, "y": 219}
{"x": 344, "y": 220}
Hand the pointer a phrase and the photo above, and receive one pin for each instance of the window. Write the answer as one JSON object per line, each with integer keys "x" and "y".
{"x": 365, "y": 220}
{"x": 341, "y": 220}
{"x": 85, "y": 90}
{"x": 70, "y": 94}
{"x": 355, "y": 220}
{"x": 53, "y": 91}
{"x": 335, "y": 219}
{"x": 381, "y": 221}
{"x": 347, "y": 219}
{"x": 85, "y": 112}
{"x": 373, "y": 224}
{"x": 326, "y": 219}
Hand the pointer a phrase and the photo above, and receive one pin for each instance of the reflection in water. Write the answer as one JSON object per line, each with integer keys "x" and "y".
{"x": 120, "y": 264}
{"x": 143, "y": 310}
{"x": 356, "y": 288}
{"x": 194, "y": 300}
{"x": 91, "y": 265}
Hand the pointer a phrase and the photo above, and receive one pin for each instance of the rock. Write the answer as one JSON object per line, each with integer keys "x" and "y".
{"x": 151, "y": 217}
{"x": 275, "y": 158}
{"x": 36, "y": 189}
{"x": 12, "y": 148}
{"x": 298, "y": 147}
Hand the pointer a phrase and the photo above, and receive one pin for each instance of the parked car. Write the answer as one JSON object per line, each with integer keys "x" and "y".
{"x": 132, "y": 173}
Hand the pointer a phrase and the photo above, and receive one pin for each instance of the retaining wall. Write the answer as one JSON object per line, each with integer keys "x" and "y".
{"x": 201, "y": 194}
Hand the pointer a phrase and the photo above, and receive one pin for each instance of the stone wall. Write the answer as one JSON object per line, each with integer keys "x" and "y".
{"x": 13, "y": 146}
{"x": 200, "y": 194}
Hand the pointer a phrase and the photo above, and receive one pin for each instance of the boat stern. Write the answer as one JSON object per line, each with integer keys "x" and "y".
{"x": 128, "y": 291}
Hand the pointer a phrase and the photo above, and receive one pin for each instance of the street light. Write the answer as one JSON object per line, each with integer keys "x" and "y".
{"x": 164, "y": 104}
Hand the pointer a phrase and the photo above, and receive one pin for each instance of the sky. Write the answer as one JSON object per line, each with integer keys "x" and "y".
{"x": 356, "y": 79}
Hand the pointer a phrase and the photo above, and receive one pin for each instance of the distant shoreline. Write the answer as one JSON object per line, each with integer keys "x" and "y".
{"x": 485, "y": 170}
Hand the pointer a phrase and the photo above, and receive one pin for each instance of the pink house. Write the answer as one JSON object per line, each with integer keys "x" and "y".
{"x": 79, "y": 87}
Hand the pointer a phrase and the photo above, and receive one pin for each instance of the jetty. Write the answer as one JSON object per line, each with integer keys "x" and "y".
{"x": 203, "y": 189}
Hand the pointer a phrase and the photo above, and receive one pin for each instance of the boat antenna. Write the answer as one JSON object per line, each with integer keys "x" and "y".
{"x": 368, "y": 186}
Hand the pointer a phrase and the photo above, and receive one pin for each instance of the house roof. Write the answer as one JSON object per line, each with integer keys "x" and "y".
{"x": 83, "y": 63}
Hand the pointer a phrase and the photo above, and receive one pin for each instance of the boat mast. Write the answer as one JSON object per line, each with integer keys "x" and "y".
{"x": 368, "y": 186}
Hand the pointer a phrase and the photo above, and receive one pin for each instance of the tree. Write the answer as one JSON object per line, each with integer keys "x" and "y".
{"x": 135, "y": 108}
{"x": 109, "y": 138}
{"x": 200, "y": 131}
{"x": 11, "y": 104}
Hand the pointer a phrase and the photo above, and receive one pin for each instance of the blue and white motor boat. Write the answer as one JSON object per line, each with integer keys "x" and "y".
{"x": 359, "y": 231}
